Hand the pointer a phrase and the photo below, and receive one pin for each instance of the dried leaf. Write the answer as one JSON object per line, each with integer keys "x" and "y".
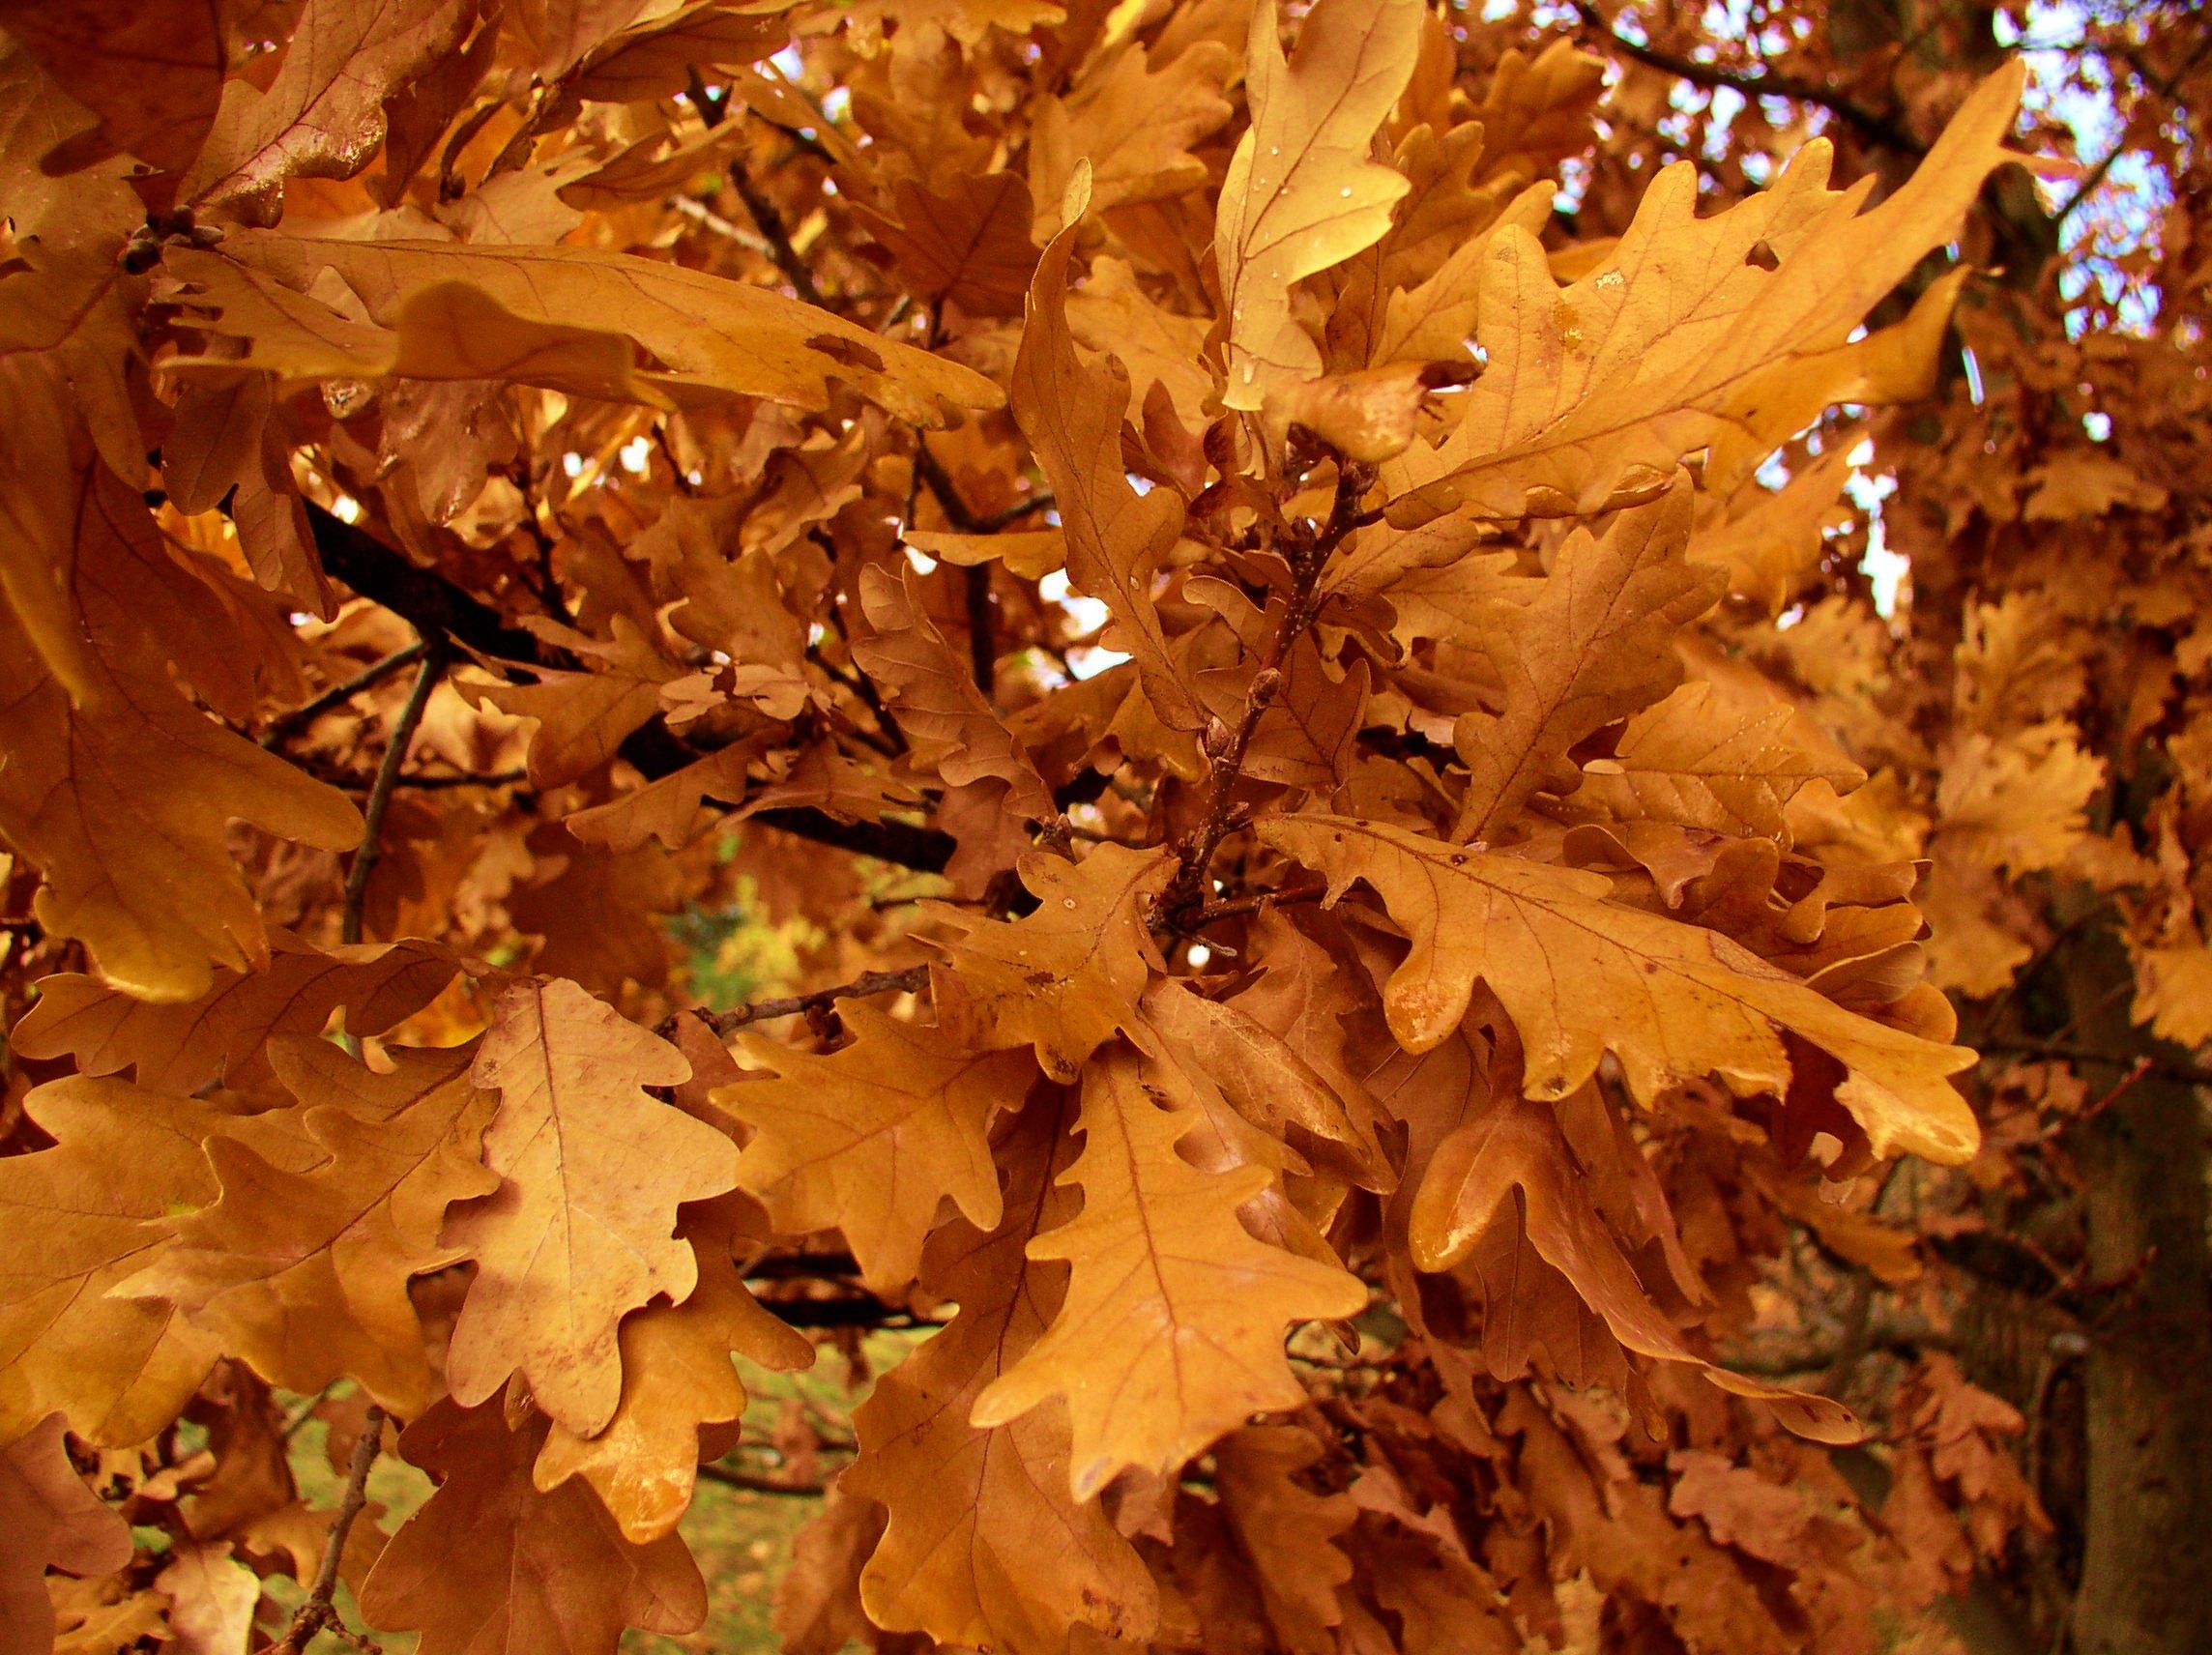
{"x": 582, "y": 1228}
{"x": 49, "y": 1520}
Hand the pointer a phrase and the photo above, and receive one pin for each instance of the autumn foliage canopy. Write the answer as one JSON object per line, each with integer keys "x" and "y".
{"x": 1367, "y": 900}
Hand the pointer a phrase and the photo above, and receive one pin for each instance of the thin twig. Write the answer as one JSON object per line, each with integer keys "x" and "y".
{"x": 912, "y": 980}
{"x": 2097, "y": 174}
{"x": 317, "y": 1614}
{"x": 364, "y": 860}
{"x": 1880, "y": 128}
{"x": 1238, "y": 906}
{"x": 2189, "y": 1074}
{"x": 959, "y": 512}
{"x": 299, "y": 718}
{"x": 763, "y": 212}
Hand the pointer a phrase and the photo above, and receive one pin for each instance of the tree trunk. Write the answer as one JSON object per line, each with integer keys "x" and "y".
{"x": 2146, "y": 1569}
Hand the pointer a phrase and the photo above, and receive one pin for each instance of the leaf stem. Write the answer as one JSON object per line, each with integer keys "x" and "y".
{"x": 299, "y": 718}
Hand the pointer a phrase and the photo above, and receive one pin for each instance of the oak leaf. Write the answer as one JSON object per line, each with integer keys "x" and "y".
{"x": 304, "y": 1274}
{"x": 180, "y": 1046}
{"x": 582, "y": 1228}
{"x": 1135, "y": 123}
{"x": 1300, "y": 193}
{"x": 1172, "y": 1331}
{"x": 1064, "y": 979}
{"x": 80, "y": 1218}
{"x": 490, "y": 1564}
{"x": 1697, "y": 760}
{"x": 871, "y": 1139}
{"x": 1673, "y": 1001}
{"x": 1590, "y": 646}
{"x": 677, "y": 1378}
{"x": 1684, "y": 338}
{"x": 322, "y": 116}
{"x": 1287, "y": 1533}
{"x": 969, "y": 247}
{"x": 1070, "y": 411}
{"x": 970, "y": 1507}
{"x": 713, "y": 334}
{"x": 49, "y": 1520}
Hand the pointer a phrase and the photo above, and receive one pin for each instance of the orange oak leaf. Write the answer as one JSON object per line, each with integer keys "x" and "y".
{"x": 1172, "y": 1331}
{"x": 1673, "y": 1001}
{"x": 1590, "y": 646}
{"x": 582, "y": 1228}
{"x": 1064, "y": 979}
{"x": 181, "y": 1045}
{"x": 1071, "y": 410}
{"x": 973, "y": 1508}
{"x": 872, "y": 1138}
{"x": 1287, "y": 1533}
{"x": 305, "y": 1273}
{"x": 49, "y": 1520}
{"x": 492, "y": 1566}
{"x": 677, "y": 1378}
{"x": 80, "y": 1218}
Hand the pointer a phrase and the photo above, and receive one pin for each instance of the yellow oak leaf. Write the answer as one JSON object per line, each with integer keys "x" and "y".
{"x": 492, "y": 1563}
{"x": 1685, "y": 338}
{"x": 656, "y": 59}
{"x": 1581, "y": 976}
{"x": 1134, "y": 123}
{"x": 1770, "y": 540}
{"x": 80, "y": 1218}
{"x": 1300, "y": 193}
{"x": 582, "y": 1228}
{"x": 872, "y": 1137}
{"x": 583, "y": 716}
{"x": 969, "y": 247}
{"x": 180, "y": 1046}
{"x": 1589, "y": 647}
{"x": 1171, "y": 1331}
{"x": 323, "y": 114}
{"x": 1696, "y": 761}
{"x": 1070, "y": 411}
{"x": 714, "y": 335}
{"x": 304, "y": 1274}
{"x": 1112, "y": 313}
{"x": 2173, "y": 992}
{"x": 677, "y": 1378}
{"x": 2016, "y": 801}
{"x": 971, "y": 1508}
{"x": 1065, "y": 978}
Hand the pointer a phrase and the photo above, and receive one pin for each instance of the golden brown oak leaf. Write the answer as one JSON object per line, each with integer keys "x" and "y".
{"x": 1770, "y": 540}
{"x": 1071, "y": 410}
{"x": 583, "y": 716}
{"x": 972, "y": 1509}
{"x": 304, "y": 1274}
{"x": 714, "y": 335}
{"x": 323, "y": 114}
{"x": 656, "y": 59}
{"x": 992, "y": 786}
{"x": 872, "y": 1137}
{"x": 970, "y": 247}
{"x": 152, "y": 73}
{"x": 80, "y": 1218}
{"x": 1445, "y": 1603}
{"x": 1697, "y": 760}
{"x": 122, "y": 800}
{"x": 1065, "y": 978}
{"x": 583, "y": 1226}
{"x": 1686, "y": 337}
{"x": 2174, "y": 991}
{"x": 1505, "y": 1179}
{"x": 1171, "y": 1331}
{"x": 1594, "y": 643}
{"x": 49, "y": 1520}
{"x": 491, "y": 1566}
{"x": 1134, "y": 123}
{"x": 1581, "y": 976}
{"x": 2016, "y": 801}
{"x": 1302, "y": 194}
{"x": 1287, "y": 1533}
{"x": 181, "y": 1045}
{"x": 677, "y": 1377}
